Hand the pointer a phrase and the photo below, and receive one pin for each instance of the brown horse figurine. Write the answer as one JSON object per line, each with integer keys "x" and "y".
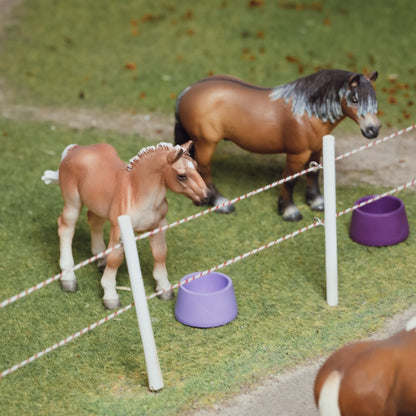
{"x": 290, "y": 118}
{"x": 372, "y": 378}
{"x": 96, "y": 177}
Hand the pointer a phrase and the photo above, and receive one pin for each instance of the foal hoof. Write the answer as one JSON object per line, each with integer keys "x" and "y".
{"x": 292, "y": 214}
{"x": 112, "y": 303}
{"x": 316, "y": 204}
{"x": 69, "y": 285}
{"x": 168, "y": 295}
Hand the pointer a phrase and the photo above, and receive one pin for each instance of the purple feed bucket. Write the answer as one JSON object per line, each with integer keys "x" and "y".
{"x": 379, "y": 223}
{"x": 206, "y": 302}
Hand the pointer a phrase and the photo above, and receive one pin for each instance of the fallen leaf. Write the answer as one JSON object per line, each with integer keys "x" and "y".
{"x": 131, "y": 66}
{"x": 256, "y": 3}
{"x": 291, "y": 58}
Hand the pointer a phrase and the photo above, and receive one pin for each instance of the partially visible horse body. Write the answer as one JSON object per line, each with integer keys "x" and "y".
{"x": 371, "y": 378}
{"x": 96, "y": 177}
{"x": 290, "y": 119}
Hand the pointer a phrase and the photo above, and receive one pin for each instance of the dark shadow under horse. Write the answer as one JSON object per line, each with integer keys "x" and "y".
{"x": 291, "y": 119}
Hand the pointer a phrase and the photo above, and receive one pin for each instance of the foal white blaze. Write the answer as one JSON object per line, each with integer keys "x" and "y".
{"x": 94, "y": 176}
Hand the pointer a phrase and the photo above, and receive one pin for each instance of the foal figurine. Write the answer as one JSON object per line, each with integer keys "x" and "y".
{"x": 290, "y": 118}
{"x": 96, "y": 177}
{"x": 372, "y": 378}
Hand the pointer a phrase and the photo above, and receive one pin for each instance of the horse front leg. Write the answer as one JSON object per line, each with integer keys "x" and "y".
{"x": 203, "y": 155}
{"x": 286, "y": 207}
{"x": 96, "y": 225}
{"x": 160, "y": 274}
{"x": 111, "y": 299}
{"x": 313, "y": 195}
{"x": 66, "y": 230}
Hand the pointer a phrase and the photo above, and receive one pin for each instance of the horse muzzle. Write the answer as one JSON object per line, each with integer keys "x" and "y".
{"x": 371, "y": 132}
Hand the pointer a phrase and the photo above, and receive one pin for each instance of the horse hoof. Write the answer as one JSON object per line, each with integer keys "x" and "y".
{"x": 168, "y": 295}
{"x": 219, "y": 200}
{"x": 292, "y": 214}
{"x": 316, "y": 204}
{"x": 112, "y": 303}
{"x": 69, "y": 285}
{"x": 228, "y": 209}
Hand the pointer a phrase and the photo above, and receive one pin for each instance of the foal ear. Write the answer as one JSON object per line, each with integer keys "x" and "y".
{"x": 372, "y": 76}
{"x": 188, "y": 146}
{"x": 175, "y": 154}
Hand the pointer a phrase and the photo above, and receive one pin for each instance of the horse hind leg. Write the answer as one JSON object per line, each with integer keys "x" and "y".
{"x": 66, "y": 230}
{"x": 96, "y": 225}
{"x": 313, "y": 195}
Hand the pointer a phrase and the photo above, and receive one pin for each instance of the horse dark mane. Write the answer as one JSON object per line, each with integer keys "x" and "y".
{"x": 320, "y": 94}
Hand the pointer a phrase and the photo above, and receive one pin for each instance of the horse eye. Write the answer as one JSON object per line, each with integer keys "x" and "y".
{"x": 354, "y": 99}
{"x": 182, "y": 178}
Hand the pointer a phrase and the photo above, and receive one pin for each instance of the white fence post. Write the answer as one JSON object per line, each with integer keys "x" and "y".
{"x": 140, "y": 301}
{"x": 330, "y": 221}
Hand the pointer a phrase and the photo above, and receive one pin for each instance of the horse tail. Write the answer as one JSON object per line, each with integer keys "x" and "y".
{"x": 328, "y": 397}
{"x": 52, "y": 176}
{"x": 181, "y": 135}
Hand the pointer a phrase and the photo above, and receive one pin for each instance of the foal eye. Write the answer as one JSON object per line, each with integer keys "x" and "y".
{"x": 354, "y": 99}
{"x": 182, "y": 178}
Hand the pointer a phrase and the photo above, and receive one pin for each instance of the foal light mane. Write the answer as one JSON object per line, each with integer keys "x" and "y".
{"x": 320, "y": 94}
{"x": 149, "y": 150}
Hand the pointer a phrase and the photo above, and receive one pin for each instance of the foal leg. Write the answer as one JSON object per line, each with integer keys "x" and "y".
{"x": 66, "y": 229}
{"x": 111, "y": 299}
{"x": 160, "y": 274}
{"x": 314, "y": 197}
{"x": 286, "y": 207}
{"x": 203, "y": 155}
{"x": 96, "y": 225}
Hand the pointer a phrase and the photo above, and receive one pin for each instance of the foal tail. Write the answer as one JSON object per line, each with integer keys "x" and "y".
{"x": 328, "y": 397}
{"x": 52, "y": 176}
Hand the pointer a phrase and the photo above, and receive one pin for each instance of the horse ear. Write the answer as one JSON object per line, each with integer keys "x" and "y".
{"x": 188, "y": 146}
{"x": 354, "y": 81}
{"x": 175, "y": 154}
{"x": 372, "y": 76}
